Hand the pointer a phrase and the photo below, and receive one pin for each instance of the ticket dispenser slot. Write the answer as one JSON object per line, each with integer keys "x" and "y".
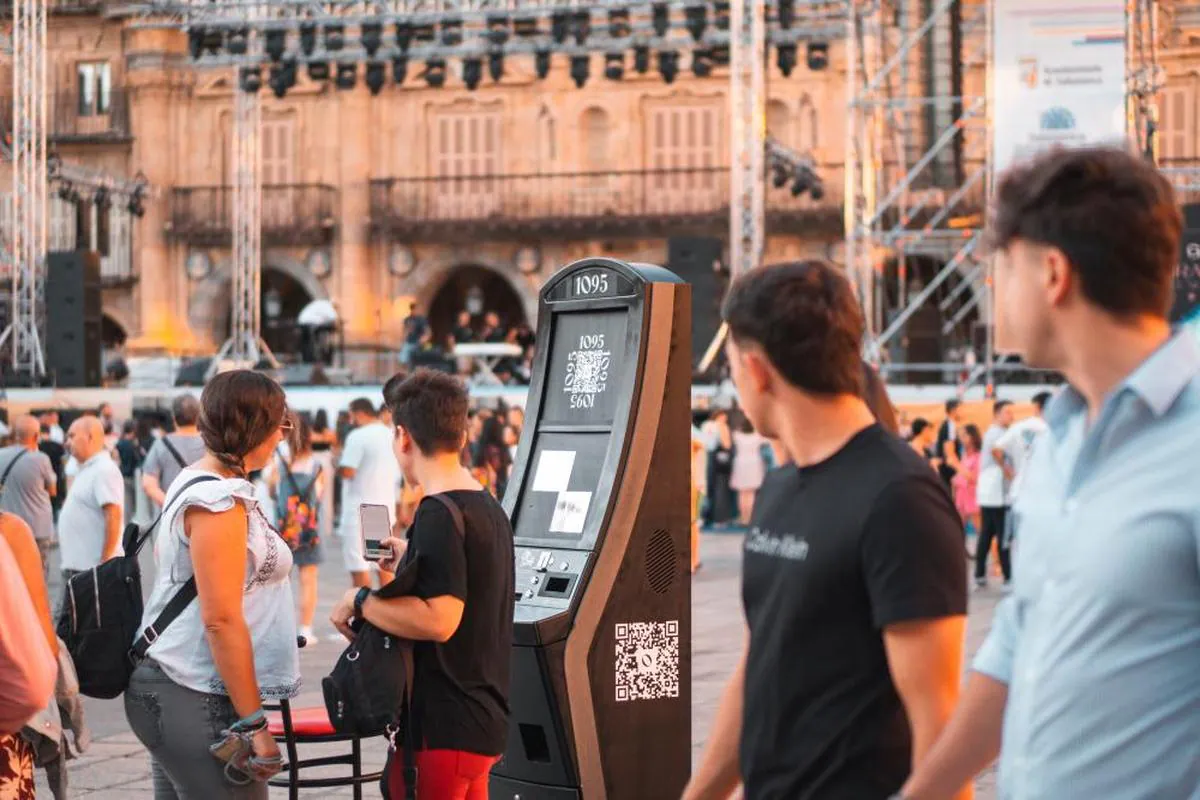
{"x": 600, "y": 502}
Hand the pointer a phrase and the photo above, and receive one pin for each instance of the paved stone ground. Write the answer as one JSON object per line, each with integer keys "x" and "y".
{"x": 117, "y": 768}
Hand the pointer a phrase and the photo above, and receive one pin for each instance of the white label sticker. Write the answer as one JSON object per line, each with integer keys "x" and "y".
{"x": 570, "y": 512}
{"x": 553, "y": 470}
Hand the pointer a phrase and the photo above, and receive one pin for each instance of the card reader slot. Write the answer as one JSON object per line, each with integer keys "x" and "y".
{"x": 557, "y": 584}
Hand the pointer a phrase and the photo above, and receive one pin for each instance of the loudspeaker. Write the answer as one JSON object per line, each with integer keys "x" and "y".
{"x": 697, "y": 260}
{"x": 73, "y": 314}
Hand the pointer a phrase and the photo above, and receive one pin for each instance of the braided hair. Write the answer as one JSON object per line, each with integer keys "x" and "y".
{"x": 239, "y": 409}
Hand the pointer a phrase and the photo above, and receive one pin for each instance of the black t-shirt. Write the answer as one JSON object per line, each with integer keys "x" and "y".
{"x": 946, "y": 433}
{"x": 57, "y": 454}
{"x": 836, "y": 552}
{"x": 460, "y": 690}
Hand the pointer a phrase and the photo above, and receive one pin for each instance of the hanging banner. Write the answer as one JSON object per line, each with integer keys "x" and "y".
{"x": 1058, "y": 76}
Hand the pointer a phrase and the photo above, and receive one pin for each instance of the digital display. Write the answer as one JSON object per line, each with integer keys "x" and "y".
{"x": 592, "y": 284}
{"x": 587, "y": 367}
{"x": 559, "y": 491}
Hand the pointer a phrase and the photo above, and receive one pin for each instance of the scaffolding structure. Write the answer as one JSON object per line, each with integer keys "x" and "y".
{"x": 747, "y": 104}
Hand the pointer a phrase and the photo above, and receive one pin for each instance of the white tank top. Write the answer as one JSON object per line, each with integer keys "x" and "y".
{"x": 182, "y": 650}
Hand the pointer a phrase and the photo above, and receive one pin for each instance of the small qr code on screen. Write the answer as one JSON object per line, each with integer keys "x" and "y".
{"x": 647, "y": 665}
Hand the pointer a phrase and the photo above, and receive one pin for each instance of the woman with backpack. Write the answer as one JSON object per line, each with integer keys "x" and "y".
{"x": 196, "y": 700}
{"x": 299, "y": 483}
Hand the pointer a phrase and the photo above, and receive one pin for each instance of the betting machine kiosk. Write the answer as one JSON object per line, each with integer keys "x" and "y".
{"x": 600, "y": 504}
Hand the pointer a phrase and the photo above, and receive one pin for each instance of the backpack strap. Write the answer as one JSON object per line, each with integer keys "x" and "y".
{"x": 8, "y": 470}
{"x": 182, "y": 598}
{"x": 167, "y": 443}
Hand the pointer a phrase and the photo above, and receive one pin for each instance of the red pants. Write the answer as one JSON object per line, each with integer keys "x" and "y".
{"x": 444, "y": 775}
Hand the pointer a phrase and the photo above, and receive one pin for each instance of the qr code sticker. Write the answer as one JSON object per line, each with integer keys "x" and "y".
{"x": 587, "y": 371}
{"x": 647, "y": 663}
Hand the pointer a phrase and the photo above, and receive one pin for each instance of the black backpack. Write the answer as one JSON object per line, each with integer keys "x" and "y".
{"x": 102, "y": 613}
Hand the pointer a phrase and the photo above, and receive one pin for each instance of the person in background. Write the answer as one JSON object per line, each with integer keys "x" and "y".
{"x": 719, "y": 505}
{"x": 57, "y": 454}
{"x": 923, "y": 438}
{"x": 463, "y": 332}
{"x": 31, "y": 486}
{"x": 108, "y": 416}
{"x": 92, "y": 518}
{"x": 369, "y": 476}
{"x": 324, "y": 442}
{"x": 991, "y": 491}
{"x": 299, "y": 483}
{"x": 495, "y": 457}
{"x": 1087, "y": 685}
{"x": 966, "y": 481}
{"x": 749, "y": 468}
{"x": 53, "y": 429}
{"x": 129, "y": 457}
{"x": 1017, "y": 442}
{"x": 876, "y": 397}
{"x": 209, "y": 671}
{"x": 948, "y": 447}
{"x": 173, "y": 452}
{"x": 853, "y": 587}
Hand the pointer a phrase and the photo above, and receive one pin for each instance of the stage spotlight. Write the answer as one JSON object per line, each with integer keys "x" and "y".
{"x": 472, "y": 72}
{"x": 498, "y": 32}
{"x": 721, "y": 14}
{"x": 318, "y": 70}
{"x": 276, "y": 44}
{"x": 64, "y": 192}
{"x": 696, "y": 20}
{"x": 496, "y": 65}
{"x": 452, "y": 32}
{"x": 702, "y": 65}
{"x": 374, "y": 77}
{"x": 785, "y": 58}
{"x": 347, "y": 75}
{"x": 668, "y": 65}
{"x": 787, "y": 13}
{"x": 581, "y": 26}
{"x": 560, "y": 26}
{"x": 779, "y": 176}
{"x": 279, "y": 79}
{"x": 238, "y": 41}
{"x": 720, "y": 55}
{"x": 424, "y": 33}
{"x": 580, "y": 67}
{"x": 618, "y": 23}
{"x": 818, "y": 56}
{"x": 372, "y": 37}
{"x": 308, "y": 38}
{"x": 250, "y": 79}
{"x": 817, "y": 191}
{"x": 805, "y": 180}
{"x": 335, "y": 38}
{"x": 135, "y": 206}
{"x": 526, "y": 27}
{"x": 195, "y": 42}
{"x": 213, "y": 41}
{"x": 100, "y": 198}
{"x": 641, "y": 59}
{"x": 399, "y": 69}
{"x": 404, "y": 35}
{"x": 614, "y": 66}
{"x": 435, "y": 73}
{"x": 661, "y": 18}
{"x": 541, "y": 63}
{"x": 288, "y": 71}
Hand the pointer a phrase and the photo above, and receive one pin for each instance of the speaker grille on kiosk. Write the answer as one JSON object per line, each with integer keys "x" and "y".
{"x": 661, "y": 563}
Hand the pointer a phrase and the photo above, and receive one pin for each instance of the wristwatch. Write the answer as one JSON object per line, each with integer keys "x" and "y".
{"x": 359, "y": 599}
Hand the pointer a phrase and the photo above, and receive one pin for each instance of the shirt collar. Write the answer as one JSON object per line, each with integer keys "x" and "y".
{"x": 1158, "y": 381}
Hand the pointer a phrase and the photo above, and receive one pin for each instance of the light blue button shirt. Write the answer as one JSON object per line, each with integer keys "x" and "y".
{"x": 1099, "y": 642}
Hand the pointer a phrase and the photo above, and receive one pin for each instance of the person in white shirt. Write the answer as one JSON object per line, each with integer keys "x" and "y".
{"x": 1017, "y": 442}
{"x": 370, "y": 475}
{"x": 991, "y": 491}
{"x": 55, "y": 431}
{"x": 89, "y": 528}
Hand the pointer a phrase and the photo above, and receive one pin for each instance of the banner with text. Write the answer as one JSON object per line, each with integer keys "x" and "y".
{"x": 1058, "y": 76}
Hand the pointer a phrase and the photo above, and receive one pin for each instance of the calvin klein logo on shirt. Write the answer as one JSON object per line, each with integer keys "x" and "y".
{"x": 794, "y": 548}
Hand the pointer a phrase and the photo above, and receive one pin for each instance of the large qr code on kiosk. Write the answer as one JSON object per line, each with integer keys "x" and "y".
{"x": 647, "y": 660}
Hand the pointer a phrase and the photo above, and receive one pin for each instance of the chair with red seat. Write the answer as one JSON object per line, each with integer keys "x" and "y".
{"x": 312, "y": 726}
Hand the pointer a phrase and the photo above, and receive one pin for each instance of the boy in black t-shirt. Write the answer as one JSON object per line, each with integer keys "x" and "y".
{"x": 854, "y": 587}
{"x": 460, "y": 615}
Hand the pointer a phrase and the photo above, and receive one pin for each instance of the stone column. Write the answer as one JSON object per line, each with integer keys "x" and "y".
{"x": 357, "y": 296}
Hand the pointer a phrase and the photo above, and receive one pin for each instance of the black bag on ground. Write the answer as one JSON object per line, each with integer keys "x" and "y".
{"x": 102, "y": 614}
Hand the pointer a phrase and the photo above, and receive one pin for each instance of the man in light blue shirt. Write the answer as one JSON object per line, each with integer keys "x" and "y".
{"x": 1089, "y": 683}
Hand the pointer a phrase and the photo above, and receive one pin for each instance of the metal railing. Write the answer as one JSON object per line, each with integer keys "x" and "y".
{"x": 634, "y": 195}
{"x": 77, "y": 118}
{"x": 294, "y": 212}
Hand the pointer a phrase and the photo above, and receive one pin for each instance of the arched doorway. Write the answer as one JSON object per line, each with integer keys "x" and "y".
{"x": 112, "y": 333}
{"x": 942, "y": 329}
{"x": 283, "y": 298}
{"x": 476, "y": 289}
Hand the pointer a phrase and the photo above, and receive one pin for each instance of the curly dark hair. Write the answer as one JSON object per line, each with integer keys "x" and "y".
{"x": 238, "y": 411}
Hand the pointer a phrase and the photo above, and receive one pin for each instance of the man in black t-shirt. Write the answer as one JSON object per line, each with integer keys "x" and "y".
{"x": 948, "y": 448}
{"x": 460, "y": 614}
{"x": 854, "y": 587}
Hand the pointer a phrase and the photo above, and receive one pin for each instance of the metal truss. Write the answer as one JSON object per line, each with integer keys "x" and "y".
{"x": 77, "y": 177}
{"x": 917, "y": 161}
{"x": 28, "y": 225}
{"x": 747, "y": 102}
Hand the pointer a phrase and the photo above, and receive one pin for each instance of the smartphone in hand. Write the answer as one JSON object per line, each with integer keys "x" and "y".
{"x": 376, "y": 527}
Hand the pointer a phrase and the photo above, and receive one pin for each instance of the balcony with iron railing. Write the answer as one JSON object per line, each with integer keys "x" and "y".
{"x": 76, "y": 119}
{"x": 592, "y": 204}
{"x": 292, "y": 214}
{"x": 64, "y": 6}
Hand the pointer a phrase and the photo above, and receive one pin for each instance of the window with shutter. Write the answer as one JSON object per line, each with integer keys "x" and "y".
{"x": 466, "y": 161}
{"x": 685, "y": 157}
{"x": 1177, "y": 124}
{"x": 277, "y": 151}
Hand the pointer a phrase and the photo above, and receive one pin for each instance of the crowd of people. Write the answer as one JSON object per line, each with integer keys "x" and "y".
{"x": 854, "y": 590}
{"x": 422, "y": 348}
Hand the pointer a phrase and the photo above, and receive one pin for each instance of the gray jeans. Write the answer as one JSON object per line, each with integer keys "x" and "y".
{"x": 177, "y": 726}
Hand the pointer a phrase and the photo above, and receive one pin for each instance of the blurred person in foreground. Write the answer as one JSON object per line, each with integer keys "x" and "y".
{"x": 1088, "y": 686}
{"x": 853, "y": 583}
